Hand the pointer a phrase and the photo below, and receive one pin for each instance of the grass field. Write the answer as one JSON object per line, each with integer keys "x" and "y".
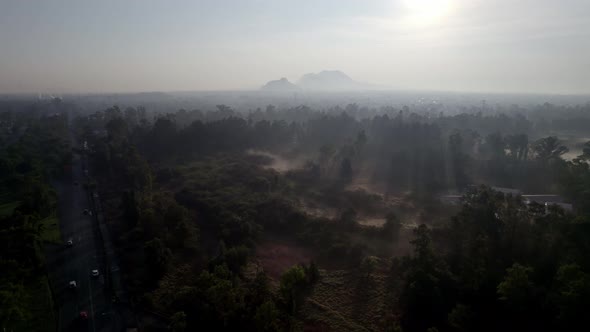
{"x": 6, "y": 209}
{"x": 51, "y": 231}
{"x": 347, "y": 301}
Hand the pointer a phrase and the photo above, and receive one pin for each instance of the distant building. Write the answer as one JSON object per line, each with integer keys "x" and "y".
{"x": 507, "y": 191}
{"x": 548, "y": 200}
{"x": 545, "y": 200}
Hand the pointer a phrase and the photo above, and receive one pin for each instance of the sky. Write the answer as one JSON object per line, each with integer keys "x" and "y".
{"x": 78, "y": 46}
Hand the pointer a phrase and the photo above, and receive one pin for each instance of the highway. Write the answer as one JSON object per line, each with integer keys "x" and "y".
{"x": 64, "y": 264}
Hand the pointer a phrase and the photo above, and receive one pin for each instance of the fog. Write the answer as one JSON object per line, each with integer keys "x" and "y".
{"x": 65, "y": 46}
{"x": 264, "y": 165}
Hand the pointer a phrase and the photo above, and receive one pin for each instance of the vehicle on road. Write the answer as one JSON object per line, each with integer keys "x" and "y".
{"x": 87, "y": 212}
{"x": 69, "y": 243}
{"x": 73, "y": 284}
{"x": 95, "y": 273}
{"x": 83, "y": 315}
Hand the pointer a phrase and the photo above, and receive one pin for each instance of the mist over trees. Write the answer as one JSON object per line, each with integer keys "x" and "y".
{"x": 286, "y": 218}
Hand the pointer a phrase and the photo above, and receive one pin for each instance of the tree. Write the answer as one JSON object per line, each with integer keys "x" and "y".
{"x": 346, "y": 170}
{"x": 368, "y": 265}
{"x": 260, "y": 290}
{"x": 348, "y": 218}
{"x": 12, "y": 305}
{"x": 185, "y": 235}
{"x": 427, "y": 285}
{"x": 236, "y": 257}
{"x": 267, "y": 317}
{"x": 117, "y": 129}
{"x": 162, "y": 138}
{"x": 549, "y": 148}
{"x": 327, "y": 153}
{"x": 178, "y": 322}
{"x": 312, "y": 272}
{"x": 516, "y": 290}
{"x": 392, "y": 227}
{"x": 586, "y": 151}
{"x": 518, "y": 146}
{"x": 292, "y": 286}
{"x": 458, "y": 159}
{"x": 157, "y": 257}
{"x": 572, "y": 295}
{"x": 461, "y": 318}
{"x": 422, "y": 247}
{"x": 360, "y": 142}
{"x": 494, "y": 144}
{"x": 130, "y": 208}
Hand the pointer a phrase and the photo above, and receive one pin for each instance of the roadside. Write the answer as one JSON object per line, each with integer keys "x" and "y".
{"x": 27, "y": 224}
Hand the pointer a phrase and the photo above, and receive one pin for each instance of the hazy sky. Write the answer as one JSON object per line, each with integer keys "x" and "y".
{"x": 467, "y": 45}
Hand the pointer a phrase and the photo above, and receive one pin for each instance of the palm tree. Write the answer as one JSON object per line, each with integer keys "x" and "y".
{"x": 549, "y": 148}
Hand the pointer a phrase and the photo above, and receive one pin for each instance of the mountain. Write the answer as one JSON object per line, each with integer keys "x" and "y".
{"x": 328, "y": 80}
{"x": 280, "y": 85}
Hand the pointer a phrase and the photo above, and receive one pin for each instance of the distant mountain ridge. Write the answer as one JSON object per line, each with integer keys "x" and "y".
{"x": 282, "y": 84}
{"x": 326, "y": 80}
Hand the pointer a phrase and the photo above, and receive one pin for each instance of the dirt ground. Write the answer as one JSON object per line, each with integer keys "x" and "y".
{"x": 276, "y": 256}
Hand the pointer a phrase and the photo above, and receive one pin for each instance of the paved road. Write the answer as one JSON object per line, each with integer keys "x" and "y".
{"x": 76, "y": 262}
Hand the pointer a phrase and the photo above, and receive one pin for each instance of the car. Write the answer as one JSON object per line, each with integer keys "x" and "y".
{"x": 95, "y": 195}
{"x": 73, "y": 284}
{"x": 69, "y": 243}
{"x": 95, "y": 273}
{"x": 83, "y": 315}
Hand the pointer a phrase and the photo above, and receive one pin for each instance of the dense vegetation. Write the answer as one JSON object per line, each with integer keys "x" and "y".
{"x": 34, "y": 152}
{"x": 301, "y": 219}
{"x": 191, "y": 199}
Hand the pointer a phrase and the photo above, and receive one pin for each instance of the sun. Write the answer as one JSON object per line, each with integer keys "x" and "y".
{"x": 425, "y": 12}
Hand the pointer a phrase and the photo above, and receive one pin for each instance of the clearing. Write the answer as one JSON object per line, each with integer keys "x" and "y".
{"x": 277, "y": 256}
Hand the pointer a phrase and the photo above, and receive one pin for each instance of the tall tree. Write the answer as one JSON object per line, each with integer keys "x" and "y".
{"x": 549, "y": 148}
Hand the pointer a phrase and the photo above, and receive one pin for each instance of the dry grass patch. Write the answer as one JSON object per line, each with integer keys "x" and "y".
{"x": 277, "y": 256}
{"x": 347, "y": 301}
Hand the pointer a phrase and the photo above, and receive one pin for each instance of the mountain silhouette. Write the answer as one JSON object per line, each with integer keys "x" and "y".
{"x": 327, "y": 80}
{"x": 282, "y": 84}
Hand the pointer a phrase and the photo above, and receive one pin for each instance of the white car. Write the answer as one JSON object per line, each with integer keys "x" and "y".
{"x": 69, "y": 243}
{"x": 73, "y": 284}
{"x": 95, "y": 273}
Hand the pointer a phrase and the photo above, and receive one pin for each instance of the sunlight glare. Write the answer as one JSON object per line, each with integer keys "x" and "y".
{"x": 426, "y": 12}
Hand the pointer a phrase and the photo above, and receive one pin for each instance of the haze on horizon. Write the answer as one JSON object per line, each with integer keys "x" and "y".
{"x": 539, "y": 46}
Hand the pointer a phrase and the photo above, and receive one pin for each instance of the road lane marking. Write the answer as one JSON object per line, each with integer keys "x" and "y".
{"x": 90, "y": 298}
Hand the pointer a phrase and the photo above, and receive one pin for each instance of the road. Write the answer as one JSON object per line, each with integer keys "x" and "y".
{"x": 65, "y": 264}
